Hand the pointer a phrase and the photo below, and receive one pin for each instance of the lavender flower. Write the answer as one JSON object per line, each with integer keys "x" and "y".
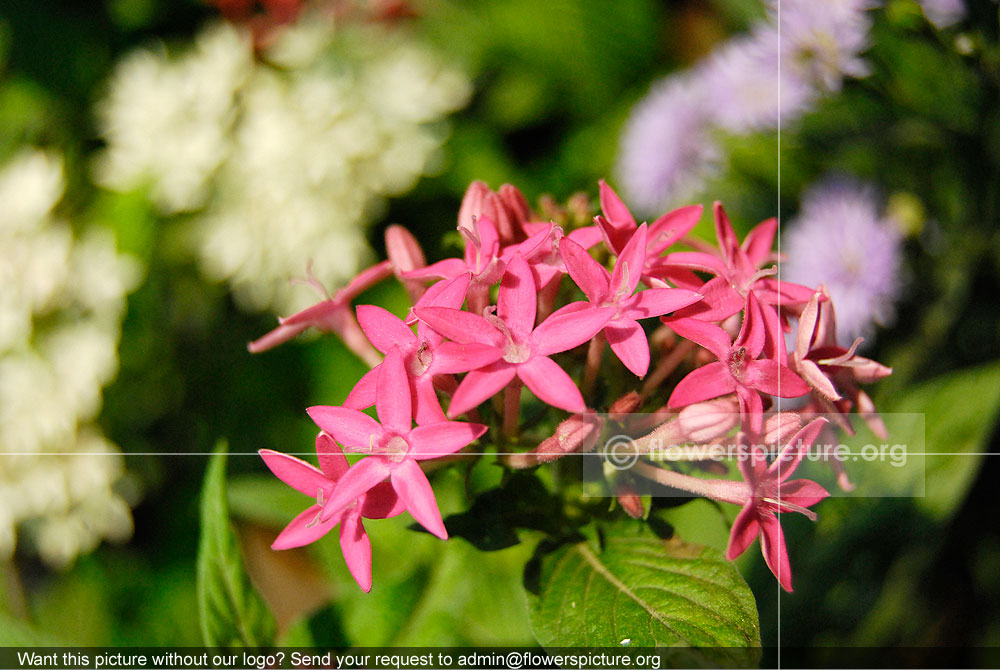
{"x": 749, "y": 89}
{"x": 943, "y": 13}
{"x": 667, "y": 151}
{"x": 823, "y": 41}
{"x": 841, "y": 240}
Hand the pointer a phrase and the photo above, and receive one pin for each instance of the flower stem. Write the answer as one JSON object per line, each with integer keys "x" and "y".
{"x": 594, "y": 354}
{"x": 722, "y": 490}
{"x": 512, "y": 408}
{"x": 666, "y": 365}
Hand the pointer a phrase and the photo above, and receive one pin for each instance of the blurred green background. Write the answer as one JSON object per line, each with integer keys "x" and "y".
{"x": 549, "y": 87}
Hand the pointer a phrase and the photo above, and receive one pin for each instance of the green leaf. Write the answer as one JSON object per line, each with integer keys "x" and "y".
{"x": 961, "y": 411}
{"x": 232, "y": 613}
{"x": 643, "y": 591}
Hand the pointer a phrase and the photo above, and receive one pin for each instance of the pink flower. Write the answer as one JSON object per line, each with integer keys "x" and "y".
{"x": 736, "y": 273}
{"x": 333, "y": 315}
{"x": 769, "y": 493}
{"x": 617, "y": 290}
{"x": 425, "y": 355}
{"x": 519, "y": 348}
{"x": 619, "y": 226}
{"x": 380, "y": 502}
{"x": 739, "y": 368}
{"x": 825, "y": 365}
{"x": 394, "y": 446}
{"x": 481, "y": 260}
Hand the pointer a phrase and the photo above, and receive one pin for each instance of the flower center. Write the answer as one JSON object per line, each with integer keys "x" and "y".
{"x": 421, "y": 359}
{"x": 738, "y": 362}
{"x": 514, "y": 351}
{"x": 396, "y": 448}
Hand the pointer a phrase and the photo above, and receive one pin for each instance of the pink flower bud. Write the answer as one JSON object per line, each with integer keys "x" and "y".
{"x": 405, "y": 255}
{"x": 706, "y": 421}
{"x": 780, "y": 427}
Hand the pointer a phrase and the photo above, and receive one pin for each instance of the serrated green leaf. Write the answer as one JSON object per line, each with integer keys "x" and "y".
{"x": 650, "y": 592}
{"x": 232, "y": 613}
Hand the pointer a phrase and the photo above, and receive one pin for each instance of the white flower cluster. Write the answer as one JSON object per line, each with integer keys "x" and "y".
{"x": 280, "y": 158}
{"x": 60, "y": 316}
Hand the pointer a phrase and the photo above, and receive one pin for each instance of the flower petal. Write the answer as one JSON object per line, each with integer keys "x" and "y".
{"x": 753, "y": 332}
{"x": 630, "y": 263}
{"x": 802, "y": 492}
{"x": 551, "y": 384}
{"x": 671, "y": 227}
{"x": 628, "y": 341}
{"x": 479, "y": 385}
{"x": 357, "y": 550}
{"x": 704, "y": 383}
{"x": 704, "y": 334}
{"x": 570, "y": 328}
{"x": 790, "y": 457}
{"x": 356, "y": 482}
{"x": 393, "y": 401}
{"x": 744, "y": 531}
{"x": 757, "y": 244}
{"x": 331, "y": 457}
{"x": 728, "y": 241}
{"x": 445, "y": 293}
{"x": 719, "y": 300}
{"x": 751, "y": 409}
{"x": 381, "y": 502}
{"x": 384, "y": 329}
{"x": 351, "y": 428}
{"x": 588, "y": 274}
{"x": 441, "y": 439}
{"x": 295, "y": 472}
{"x": 426, "y": 406}
{"x": 614, "y": 209}
{"x": 303, "y": 529}
{"x": 459, "y": 325}
{"x": 772, "y": 545}
{"x": 453, "y": 357}
{"x": 773, "y": 378}
{"x": 362, "y": 396}
{"x": 517, "y": 300}
{"x": 415, "y": 491}
{"x": 659, "y": 301}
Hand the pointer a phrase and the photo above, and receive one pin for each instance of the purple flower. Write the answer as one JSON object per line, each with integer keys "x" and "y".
{"x": 823, "y": 41}
{"x": 840, "y": 240}
{"x": 667, "y": 151}
{"x": 749, "y": 88}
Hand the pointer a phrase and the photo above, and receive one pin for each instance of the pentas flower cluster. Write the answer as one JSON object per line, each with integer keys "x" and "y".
{"x": 697, "y": 331}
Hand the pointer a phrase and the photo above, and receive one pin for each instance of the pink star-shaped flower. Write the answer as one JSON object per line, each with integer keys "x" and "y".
{"x": 519, "y": 348}
{"x": 769, "y": 493}
{"x": 380, "y": 502}
{"x": 739, "y": 368}
{"x": 425, "y": 354}
{"x": 737, "y": 272}
{"x": 617, "y": 290}
{"x": 619, "y": 226}
{"x": 394, "y": 446}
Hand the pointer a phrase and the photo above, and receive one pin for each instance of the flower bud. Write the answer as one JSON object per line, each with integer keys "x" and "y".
{"x": 405, "y": 255}
{"x": 706, "y": 421}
